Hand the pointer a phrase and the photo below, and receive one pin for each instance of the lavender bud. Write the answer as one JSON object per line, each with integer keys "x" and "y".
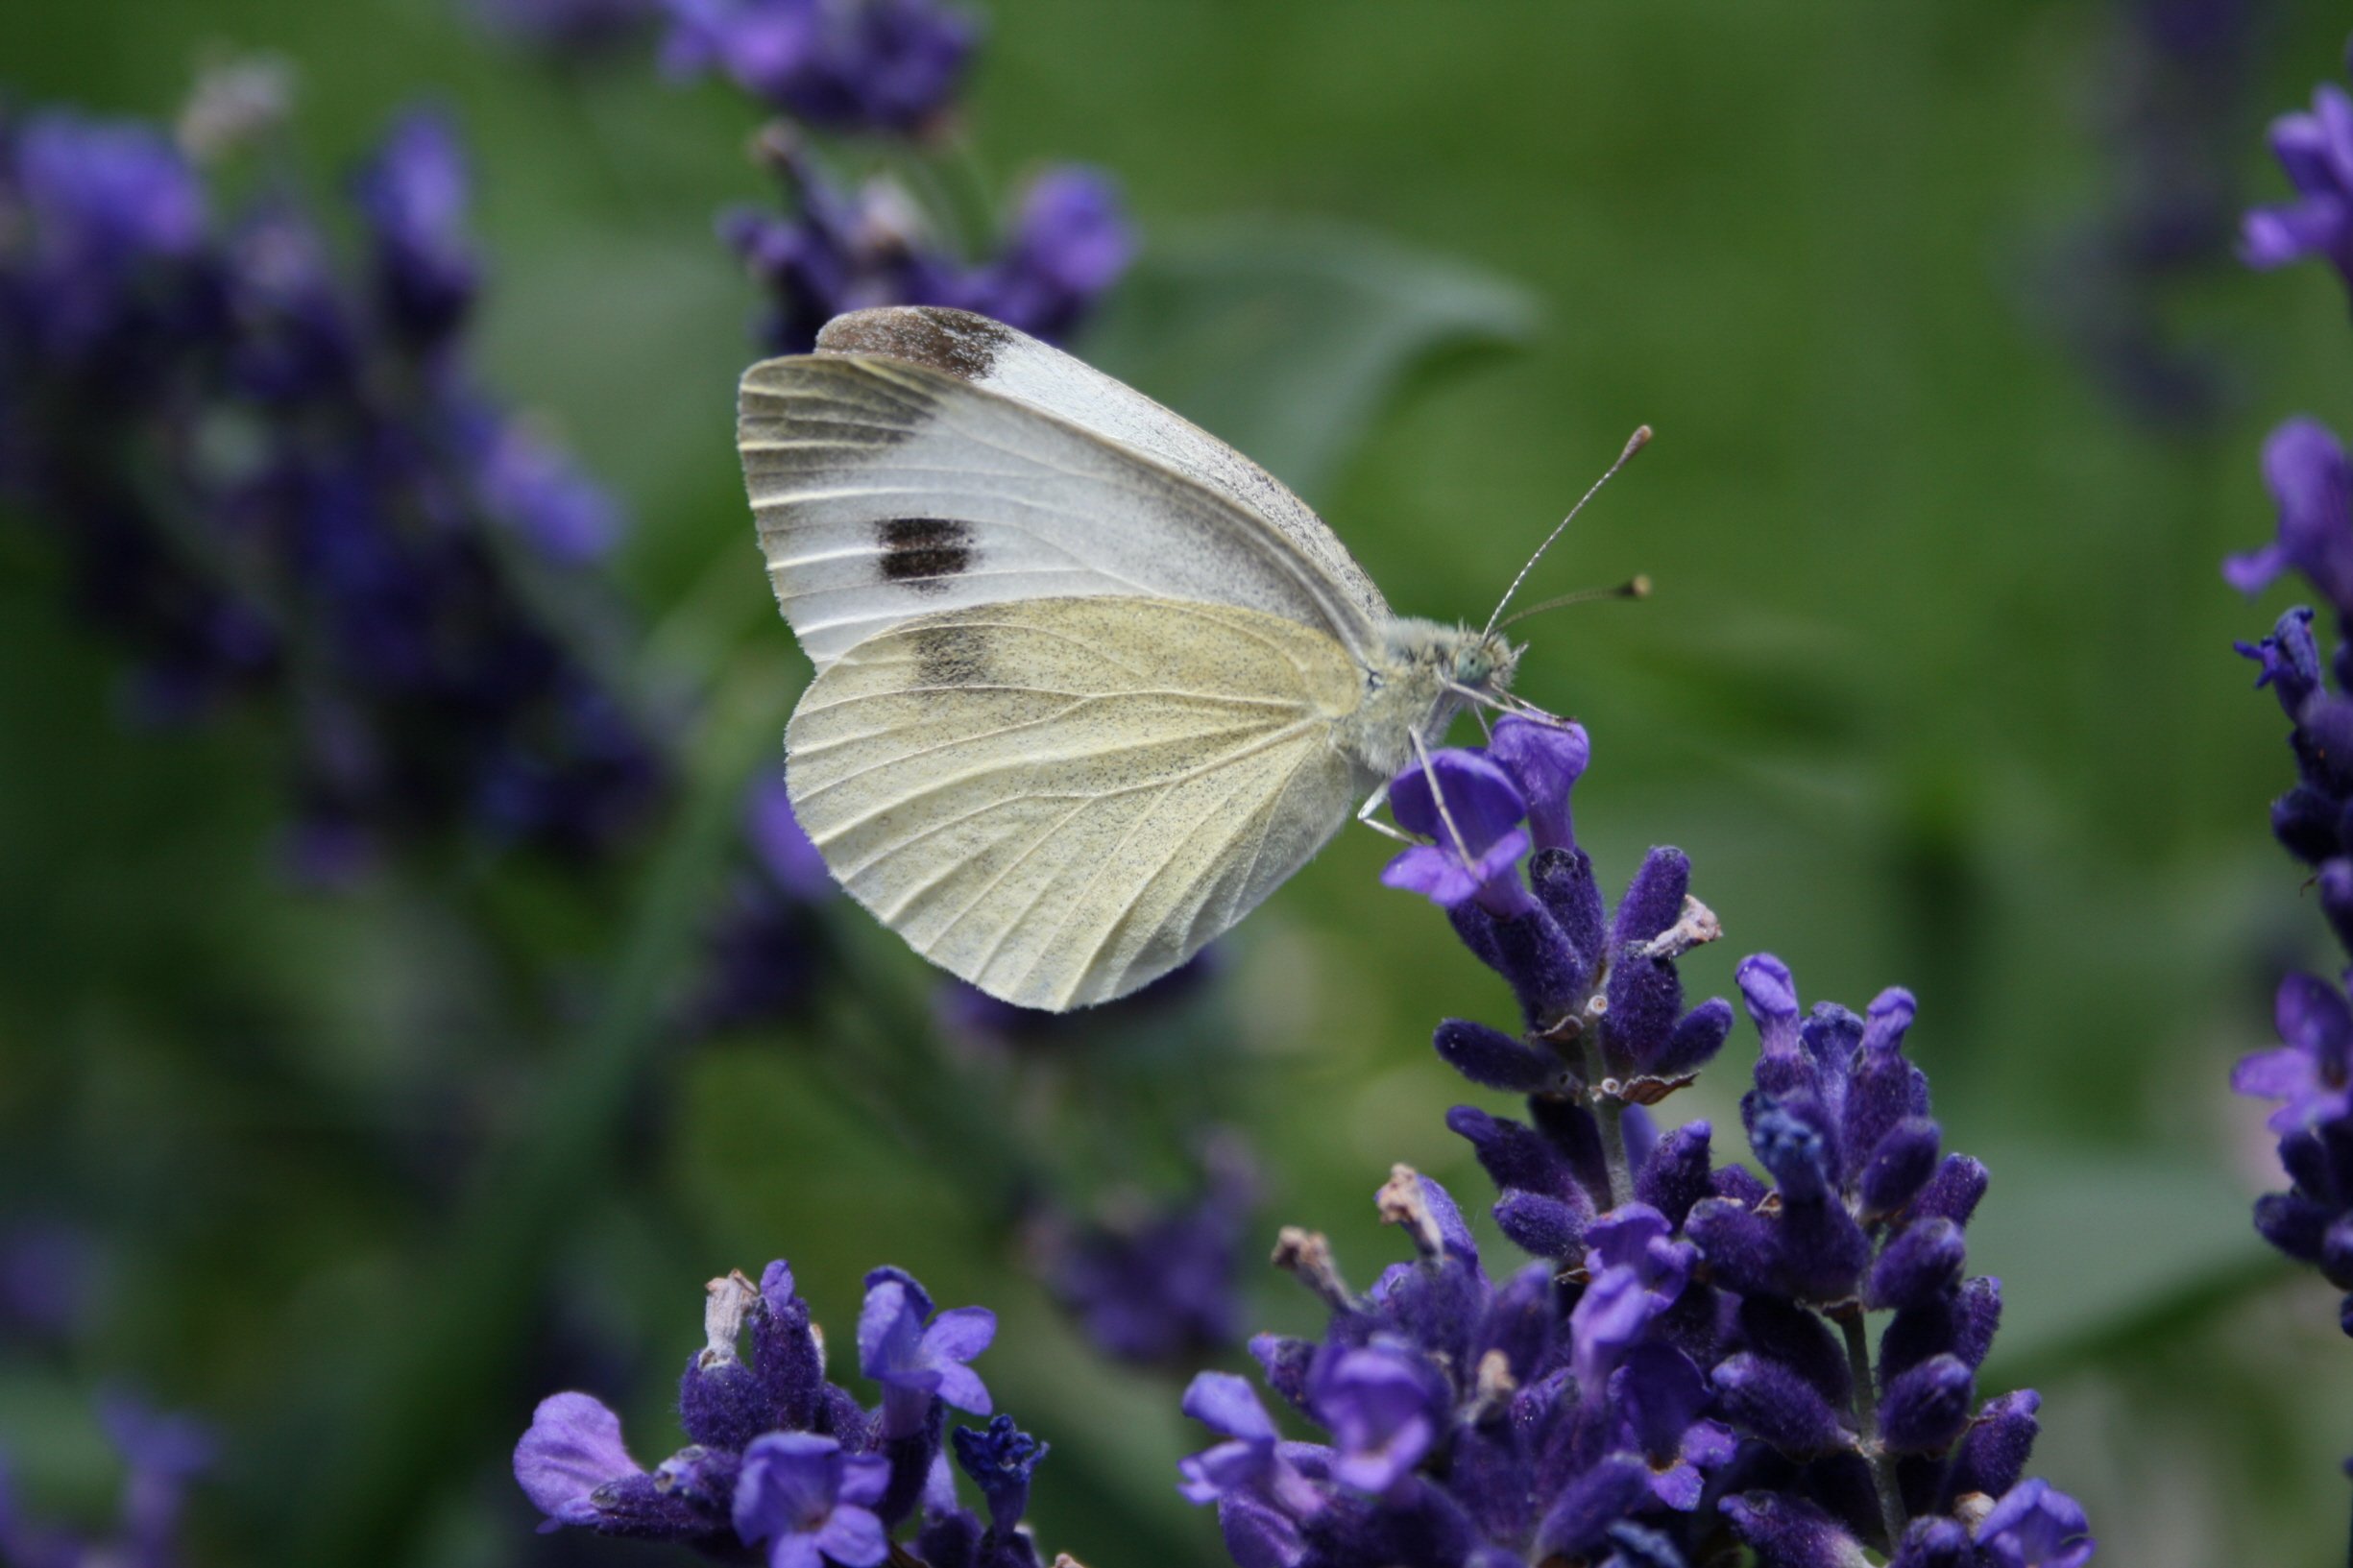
{"x": 1921, "y": 1263}
{"x": 1675, "y": 1175}
{"x": 1900, "y": 1165}
{"x": 1782, "y": 1330}
{"x": 1512, "y": 1154}
{"x": 1563, "y": 881}
{"x": 1934, "y": 1543}
{"x": 1925, "y": 1408}
{"x": 1788, "y": 1532}
{"x": 1740, "y": 1245}
{"x": 1491, "y": 1058}
{"x": 1995, "y": 1450}
{"x": 1777, "y": 1405}
{"x": 1543, "y": 1227}
{"x": 1696, "y": 1041}
{"x": 1954, "y": 1191}
{"x": 1590, "y": 1504}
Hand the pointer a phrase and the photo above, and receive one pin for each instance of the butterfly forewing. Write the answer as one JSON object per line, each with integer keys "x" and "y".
{"x": 885, "y": 489}
{"x": 1060, "y": 798}
{"x": 995, "y": 357}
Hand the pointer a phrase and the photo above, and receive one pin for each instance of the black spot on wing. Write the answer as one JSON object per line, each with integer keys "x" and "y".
{"x": 951, "y": 655}
{"x": 924, "y": 554}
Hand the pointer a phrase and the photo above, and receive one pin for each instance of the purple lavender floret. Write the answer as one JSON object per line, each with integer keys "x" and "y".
{"x": 838, "y": 250}
{"x": 2304, "y": 467}
{"x": 367, "y": 558}
{"x": 784, "y": 1464}
{"x": 2315, "y": 151}
{"x": 807, "y": 1502}
{"x": 852, "y": 66}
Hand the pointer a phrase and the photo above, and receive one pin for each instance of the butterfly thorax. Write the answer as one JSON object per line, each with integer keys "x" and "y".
{"x": 1421, "y": 677}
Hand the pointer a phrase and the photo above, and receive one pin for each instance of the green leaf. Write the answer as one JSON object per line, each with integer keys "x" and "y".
{"x": 2098, "y": 1257}
{"x": 1288, "y": 338}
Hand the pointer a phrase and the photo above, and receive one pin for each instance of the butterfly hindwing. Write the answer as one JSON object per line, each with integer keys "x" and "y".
{"x": 1001, "y": 359}
{"x": 1060, "y": 798}
{"x": 885, "y": 489}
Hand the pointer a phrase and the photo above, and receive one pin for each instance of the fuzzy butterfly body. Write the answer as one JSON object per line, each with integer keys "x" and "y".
{"x": 1090, "y": 684}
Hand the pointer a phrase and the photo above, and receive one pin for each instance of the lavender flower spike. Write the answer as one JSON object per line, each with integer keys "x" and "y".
{"x": 781, "y": 1459}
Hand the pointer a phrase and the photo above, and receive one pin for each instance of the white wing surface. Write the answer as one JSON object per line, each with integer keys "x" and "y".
{"x": 886, "y": 490}
{"x": 1060, "y": 800}
{"x": 990, "y": 354}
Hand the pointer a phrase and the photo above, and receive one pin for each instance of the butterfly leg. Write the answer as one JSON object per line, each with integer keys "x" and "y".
{"x": 1421, "y": 755}
{"x": 1373, "y": 803}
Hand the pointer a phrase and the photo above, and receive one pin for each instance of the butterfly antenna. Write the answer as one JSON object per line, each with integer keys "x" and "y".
{"x": 1633, "y": 587}
{"x": 1633, "y": 444}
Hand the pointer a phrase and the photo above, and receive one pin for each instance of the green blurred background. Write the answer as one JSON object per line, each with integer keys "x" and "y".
{"x": 1936, "y": 689}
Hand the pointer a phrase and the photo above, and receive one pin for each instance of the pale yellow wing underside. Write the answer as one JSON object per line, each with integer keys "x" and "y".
{"x": 1061, "y": 799}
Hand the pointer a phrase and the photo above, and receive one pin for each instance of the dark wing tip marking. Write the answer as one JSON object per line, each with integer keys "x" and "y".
{"x": 958, "y": 341}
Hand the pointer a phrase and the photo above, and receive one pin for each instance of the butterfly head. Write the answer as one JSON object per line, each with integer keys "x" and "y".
{"x": 1483, "y": 662}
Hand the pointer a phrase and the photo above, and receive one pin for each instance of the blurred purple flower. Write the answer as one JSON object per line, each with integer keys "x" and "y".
{"x": 761, "y": 965}
{"x": 859, "y": 65}
{"x": 839, "y": 251}
{"x": 568, "y": 28}
{"x": 1159, "y": 1285}
{"x": 2316, "y": 151}
{"x": 2312, "y": 1072}
{"x": 341, "y": 560}
{"x": 2170, "y": 97}
{"x": 1071, "y": 240}
{"x": 48, "y": 1279}
{"x": 161, "y": 1453}
{"x": 413, "y": 194}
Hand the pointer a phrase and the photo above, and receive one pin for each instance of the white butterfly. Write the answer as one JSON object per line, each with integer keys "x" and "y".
{"x": 1090, "y": 683}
